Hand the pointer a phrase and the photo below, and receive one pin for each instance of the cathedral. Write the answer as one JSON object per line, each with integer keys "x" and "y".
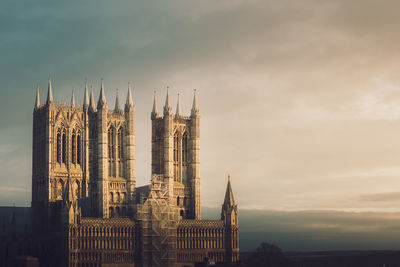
{"x": 86, "y": 209}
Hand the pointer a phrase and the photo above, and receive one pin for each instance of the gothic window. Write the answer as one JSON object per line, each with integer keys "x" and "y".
{"x": 110, "y": 143}
{"x": 117, "y": 212}
{"x": 120, "y": 144}
{"x": 74, "y": 147}
{"x": 176, "y": 143}
{"x": 185, "y": 148}
{"x": 59, "y": 146}
{"x": 78, "y": 149}
{"x": 111, "y": 212}
{"x": 64, "y": 147}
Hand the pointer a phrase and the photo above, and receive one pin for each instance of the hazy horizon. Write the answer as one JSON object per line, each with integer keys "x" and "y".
{"x": 299, "y": 101}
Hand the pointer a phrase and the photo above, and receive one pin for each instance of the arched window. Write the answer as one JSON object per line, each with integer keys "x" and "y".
{"x": 117, "y": 212}
{"x": 111, "y": 212}
{"x": 78, "y": 149}
{"x": 59, "y": 146}
{"x": 177, "y": 201}
{"x": 120, "y": 144}
{"x": 111, "y": 196}
{"x": 185, "y": 148}
{"x": 110, "y": 143}
{"x": 64, "y": 147}
{"x": 176, "y": 143}
{"x": 73, "y": 147}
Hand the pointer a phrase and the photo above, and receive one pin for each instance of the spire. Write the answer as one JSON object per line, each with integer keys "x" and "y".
{"x": 129, "y": 101}
{"x": 85, "y": 97}
{"x": 37, "y": 101}
{"x": 49, "y": 94}
{"x": 178, "y": 110}
{"x": 73, "y": 98}
{"x": 102, "y": 97}
{"x": 117, "y": 107}
{"x": 195, "y": 108}
{"x": 167, "y": 106}
{"x": 154, "y": 112}
{"x": 91, "y": 103}
{"x": 229, "y": 200}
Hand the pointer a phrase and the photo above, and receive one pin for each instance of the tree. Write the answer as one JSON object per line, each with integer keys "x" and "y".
{"x": 267, "y": 255}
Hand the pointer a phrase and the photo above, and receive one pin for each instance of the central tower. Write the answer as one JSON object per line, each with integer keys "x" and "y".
{"x": 176, "y": 155}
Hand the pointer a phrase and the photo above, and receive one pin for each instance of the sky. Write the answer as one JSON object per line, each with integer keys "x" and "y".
{"x": 299, "y": 100}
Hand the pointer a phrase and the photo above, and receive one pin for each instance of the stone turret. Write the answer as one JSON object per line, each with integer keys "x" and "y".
{"x": 102, "y": 172}
{"x": 229, "y": 216}
{"x": 195, "y": 157}
{"x": 129, "y": 148}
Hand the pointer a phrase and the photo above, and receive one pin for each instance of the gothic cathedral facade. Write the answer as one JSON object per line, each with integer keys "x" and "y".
{"x": 86, "y": 208}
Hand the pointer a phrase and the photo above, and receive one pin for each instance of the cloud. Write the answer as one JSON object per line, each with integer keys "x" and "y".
{"x": 382, "y": 197}
{"x": 298, "y": 100}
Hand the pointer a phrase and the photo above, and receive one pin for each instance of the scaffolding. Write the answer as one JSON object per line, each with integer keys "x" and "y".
{"x": 158, "y": 219}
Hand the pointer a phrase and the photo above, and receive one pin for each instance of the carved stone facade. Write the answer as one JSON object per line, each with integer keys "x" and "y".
{"x": 84, "y": 203}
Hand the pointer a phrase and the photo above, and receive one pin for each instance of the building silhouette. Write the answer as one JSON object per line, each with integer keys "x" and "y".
{"x": 86, "y": 209}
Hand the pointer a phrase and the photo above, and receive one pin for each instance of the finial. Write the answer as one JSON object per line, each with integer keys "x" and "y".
{"x": 85, "y": 96}
{"x": 129, "y": 101}
{"x": 178, "y": 110}
{"x": 167, "y": 106}
{"x": 49, "y": 94}
{"x": 91, "y": 103}
{"x": 117, "y": 107}
{"x": 102, "y": 98}
{"x": 37, "y": 101}
{"x": 154, "y": 112}
{"x": 229, "y": 200}
{"x": 73, "y": 98}
{"x": 195, "y": 108}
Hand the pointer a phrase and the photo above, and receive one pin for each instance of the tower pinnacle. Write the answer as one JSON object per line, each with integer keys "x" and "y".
{"x": 154, "y": 112}
{"x": 102, "y": 98}
{"x": 91, "y": 103}
{"x": 229, "y": 200}
{"x": 86, "y": 97}
{"x": 195, "y": 108}
{"x": 117, "y": 107}
{"x": 167, "y": 106}
{"x": 129, "y": 101}
{"x": 73, "y": 98}
{"x": 49, "y": 94}
{"x": 178, "y": 110}
{"x": 37, "y": 101}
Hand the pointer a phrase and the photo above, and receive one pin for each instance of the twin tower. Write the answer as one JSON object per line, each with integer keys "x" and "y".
{"x": 90, "y": 151}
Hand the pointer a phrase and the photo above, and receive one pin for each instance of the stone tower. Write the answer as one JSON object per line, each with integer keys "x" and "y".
{"x": 176, "y": 155}
{"x": 229, "y": 216}
{"x": 87, "y": 148}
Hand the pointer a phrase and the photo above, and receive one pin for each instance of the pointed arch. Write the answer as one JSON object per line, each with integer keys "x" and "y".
{"x": 120, "y": 143}
{"x": 176, "y": 146}
{"x": 185, "y": 147}
{"x": 58, "y": 149}
{"x": 64, "y": 146}
{"x": 78, "y": 148}
{"x": 73, "y": 147}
